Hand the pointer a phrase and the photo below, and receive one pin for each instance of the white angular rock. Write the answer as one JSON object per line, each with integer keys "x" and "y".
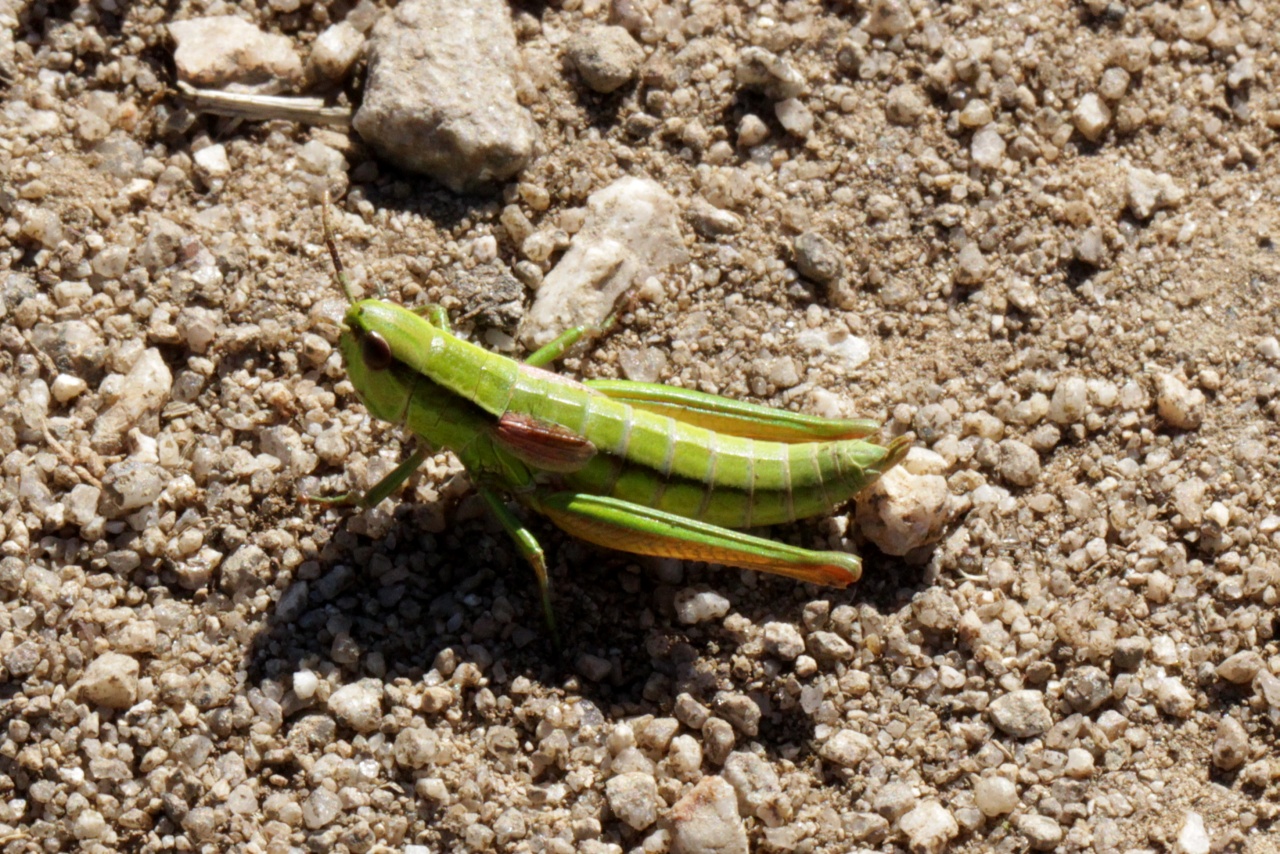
{"x": 759, "y": 68}
{"x": 706, "y": 820}
{"x": 929, "y": 827}
{"x": 222, "y": 50}
{"x": 987, "y": 148}
{"x": 1149, "y": 192}
{"x": 759, "y": 790}
{"x": 1180, "y": 406}
{"x": 633, "y": 798}
{"x": 1021, "y": 714}
{"x": 1091, "y": 117}
{"x": 335, "y": 49}
{"x": 783, "y": 640}
{"x": 846, "y": 748}
{"x": 903, "y": 511}
{"x": 110, "y": 680}
{"x": 1193, "y": 838}
{"x": 700, "y": 606}
{"x": 358, "y": 705}
{"x": 631, "y": 232}
{"x": 145, "y": 389}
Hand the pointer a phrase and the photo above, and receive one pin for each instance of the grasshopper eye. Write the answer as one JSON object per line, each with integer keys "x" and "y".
{"x": 376, "y": 351}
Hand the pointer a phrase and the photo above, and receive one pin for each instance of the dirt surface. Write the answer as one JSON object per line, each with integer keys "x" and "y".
{"x": 1050, "y": 228}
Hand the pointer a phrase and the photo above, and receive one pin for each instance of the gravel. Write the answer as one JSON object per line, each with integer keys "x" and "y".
{"x": 1039, "y": 242}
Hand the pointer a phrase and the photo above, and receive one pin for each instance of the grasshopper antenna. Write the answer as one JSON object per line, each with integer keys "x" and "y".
{"x": 339, "y": 272}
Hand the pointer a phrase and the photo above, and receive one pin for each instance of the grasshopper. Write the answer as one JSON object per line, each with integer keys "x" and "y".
{"x": 639, "y": 467}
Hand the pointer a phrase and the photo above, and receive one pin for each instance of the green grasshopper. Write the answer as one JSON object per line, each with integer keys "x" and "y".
{"x": 639, "y": 467}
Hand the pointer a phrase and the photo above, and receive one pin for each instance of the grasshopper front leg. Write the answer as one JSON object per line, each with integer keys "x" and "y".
{"x": 527, "y": 544}
{"x": 380, "y": 490}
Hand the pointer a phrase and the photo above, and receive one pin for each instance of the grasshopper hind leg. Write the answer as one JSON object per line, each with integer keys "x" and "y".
{"x": 617, "y": 524}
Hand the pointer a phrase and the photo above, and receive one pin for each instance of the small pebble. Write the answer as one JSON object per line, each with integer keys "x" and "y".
{"x": 212, "y": 164}
{"x": 1021, "y": 714}
{"x": 783, "y": 640}
{"x": 995, "y": 796}
{"x": 110, "y": 680}
{"x": 1230, "y": 744}
{"x": 829, "y": 646}
{"x": 1091, "y": 117}
{"x": 1041, "y": 831}
{"x": 1267, "y": 687}
{"x": 1178, "y": 405}
{"x": 818, "y": 259}
{"x": 1114, "y": 83}
{"x": 146, "y": 388}
{"x": 1269, "y": 349}
{"x": 975, "y": 114}
{"x": 1193, "y": 838}
{"x": 1070, "y": 401}
{"x": 510, "y": 827}
{"x": 752, "y": 131}
{"x": 216, "y": 51}
{"x": 718, "y": 740}
{"x": 321, "y": 807}
{"x": 1241, "y": 667}
{"x": 1173, "y": 698}
{"x": 971, "y": 265}
{"x": 846, "y": 748}
{"x": 759, "y": 790}
{"x": 895, "y": 799}
{"x": 712, "y": 222}
{"x": 903, "y": 511}
{"x": 593, "y": 667}
{"x": 358, "y": 705}
{"x": 935, "y": 609}
{"x": 416, "y": 747}
{"x": 66, "y": 387}
{"x": 305, "y": 683}
{"x": 685, "y": 755}
{"x": 761, "y": 69}
{"x": 930, "y": 827}
{"x": 706, "y": 820}
{"x": 987, "y": 148}
{"x": 133, "y": 483}
{"x": 888, "y": 18}
{"x": 335, "y": 50}
{"x": 630, "y": 232}
{"x": 633, "y": 797}
{"x": 90, "y": 824}
{"x": 440, "y": 94}
{"x": 1019, "y": 464}
{"x": 1131, "y": 651}
{"x": 1149, "y": 192}
{"x": 1079, "y": 763}
{"x": 794, "y": 117}
{"x": 695, "y": 606}
{"x": 905, "y": 105}
{"x": 606, "y": 57}
{"x": 1086, "y": 688}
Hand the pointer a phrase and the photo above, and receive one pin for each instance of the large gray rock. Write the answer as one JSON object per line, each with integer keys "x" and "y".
{"x": 441, "y": 93}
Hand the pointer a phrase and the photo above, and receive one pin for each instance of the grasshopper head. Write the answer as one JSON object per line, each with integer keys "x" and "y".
{"x": 376, "y": 346}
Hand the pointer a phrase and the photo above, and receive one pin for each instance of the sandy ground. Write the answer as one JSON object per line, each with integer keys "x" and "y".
{"x": 1054, "y": 232}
